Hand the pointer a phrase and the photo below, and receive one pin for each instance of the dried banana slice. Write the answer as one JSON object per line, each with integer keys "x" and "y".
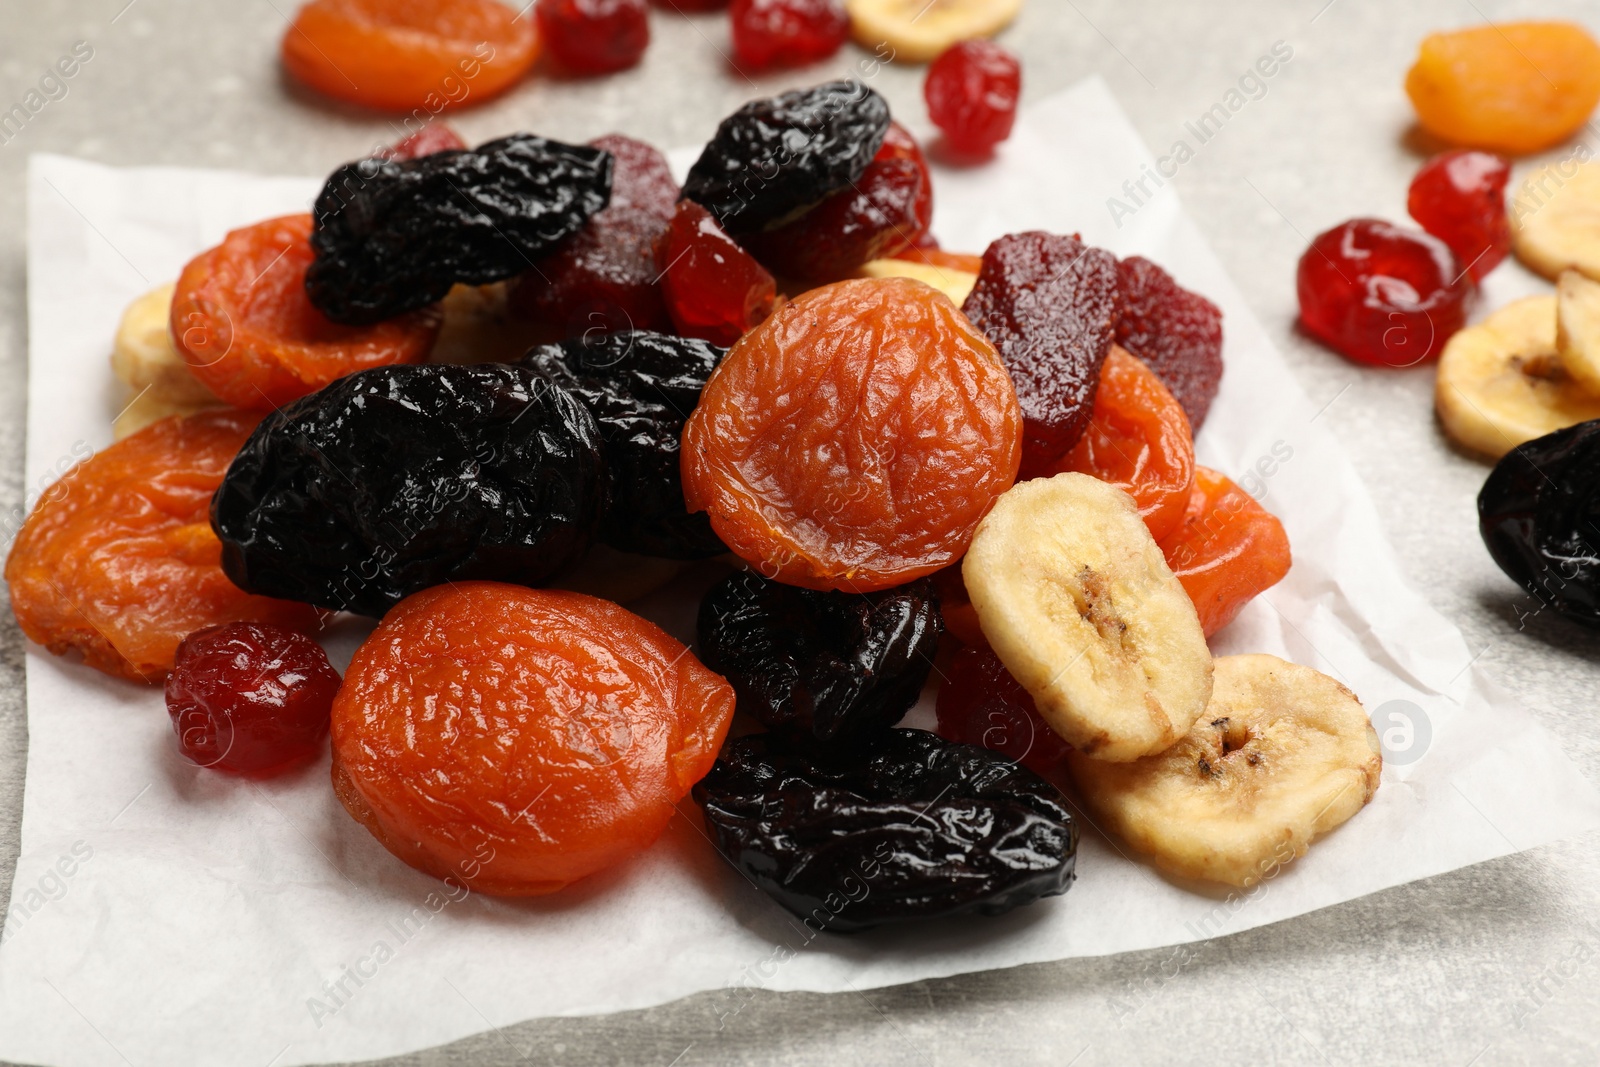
{"x": 1555, "y": 219}
{"x": 1078, "y": 602}
{"x": 955, "y": 284}
{"x": 1501, "y": 382}
{"x": 1578, "y": 329}
{"x": 143, "y": 357}
{"x": 1282, "y": 755}
{"x": 916, "y": 31}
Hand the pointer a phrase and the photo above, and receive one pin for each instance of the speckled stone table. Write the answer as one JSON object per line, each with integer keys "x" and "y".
{"x": 1495, "y": 964}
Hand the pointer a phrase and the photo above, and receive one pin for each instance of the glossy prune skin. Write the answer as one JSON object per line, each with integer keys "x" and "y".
{"x": 774, "y": 159}
{"x": 909, "y": 827}
{"x": 640, "y": 387}
{"x": 820, "y": 667}
{"x": 1539, "y": 514}
{"x": 394, "y": 236}
{"x": 395, "y": 479}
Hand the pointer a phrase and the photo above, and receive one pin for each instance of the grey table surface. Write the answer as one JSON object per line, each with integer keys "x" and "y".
{"x": 1494, "y": 964}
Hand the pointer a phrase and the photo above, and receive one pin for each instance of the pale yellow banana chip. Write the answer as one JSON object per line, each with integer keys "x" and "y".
{"x": 144, "y": 359}
{"x": 955, "y": 284}
{"x": 1555, "y": 219}
{"x": 1578, "y": 329}
{"x": 916, "y": 31}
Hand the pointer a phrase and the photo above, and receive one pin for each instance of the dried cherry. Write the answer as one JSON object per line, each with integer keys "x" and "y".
{"x": 434, "y": 137}
{"x": 820, "y": 667}
{"x": 1176, "y": 332}
{"x": 1536, "y": 514}
{"x": 398, "y": 478}
{"x": 639, "y": 387}
{"x": 401, "y": 55}
{"x": 875, "y": 219}
{"x": 786, "y": 33}
{"x": 1460, "y": 198}
{"x": 1138, "y": 439}
{"x": 909, "y": 826}
{"x": 899, "y": 144}
{"x": 594, "y": 36}
{"x": 854, "y": 439}
{"x": 1380, "y": 294}
{"x": 518, "y": 739}
{"x": 714, "y": 289}
{"x": 252, "y": 699}
{"x": 392, "y": 237}
{"x": 117, "y": 562}
{"x": 1049, "y": 304}
{"x": 641, "y": 177}
{"x": 981, "y": 704}
{"x": 601, "y": 279}
{"x": 774, "y": 159}
{"x": 1228, "y": 549}
{"x": 972, "y": 90}
{"x": 242, "y": 321}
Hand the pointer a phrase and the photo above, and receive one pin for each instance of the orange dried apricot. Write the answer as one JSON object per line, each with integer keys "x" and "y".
{"x": 243, "y": 323}
{"x": 855, "y": 438}
{"x": 1228, "y": 549}
{"x": 519, "y": 739}
{"x": 1138, "y": 439}
{"x": 399, "y": 55}
{"x": 118, "y": 561}
{"x": 1516, "y": 87}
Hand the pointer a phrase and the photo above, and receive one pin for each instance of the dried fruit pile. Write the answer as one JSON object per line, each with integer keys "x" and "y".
{"x": 849, "y": 441}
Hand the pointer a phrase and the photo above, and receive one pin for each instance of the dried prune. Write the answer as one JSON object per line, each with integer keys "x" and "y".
{"x": 1177, "y": 333}
{"x": 640, "y": 387}
{"x": 1536, "y": 513}
{"x": 876, "y": 218}
{"x": 393, "y": 236}
{"x": 817, "y": 666}
{"x": 601, "y": 279}
{"x": 908, "y": 827}
{"x": 398, "y": 478}
{"x": 774, "y": 159}
{"x": 1049, "y": 304}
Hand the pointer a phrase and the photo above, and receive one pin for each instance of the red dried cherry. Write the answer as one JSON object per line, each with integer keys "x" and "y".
{"x": 981, "y": 704}
{"x": 1177, "y": 333}
{"x": 595, "y": 36}
{"x": 1460, "y": 198}
{"x": 972, "y": 91}
{"x": 250, "y": 698}
{"x": 714, "y": 289}
{"x": 640, "y": 176}
{"x": 876, "y": 218}
{"x": 434, "y": 137}
{"x": 1381, "y": 294}
{"x": 899, "y": 144}
{"x": 602, "y": 278}
{"x": 786, "y": 33}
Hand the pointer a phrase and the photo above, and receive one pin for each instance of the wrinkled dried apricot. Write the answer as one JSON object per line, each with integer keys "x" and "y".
{"x": 1228, "y": 549}
{"x": 1516, "y": 87}
{"x": 519, "y": 739}
{"x": 398, "y": 55}
{"x": 1138, "y": 439}
{"x": 855, "y": 438}
{"x": 243, "y": 323}
{"x": 118, "y": 561}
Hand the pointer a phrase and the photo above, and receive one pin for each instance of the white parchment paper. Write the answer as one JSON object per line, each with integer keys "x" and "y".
{"x": 167, "y": 915}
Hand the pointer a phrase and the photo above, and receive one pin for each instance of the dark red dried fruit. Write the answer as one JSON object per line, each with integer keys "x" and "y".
{"x": 603, "y": 278}
{"x": 1177, "y": 333}
{"x": 1049, "y": 304}
{"x": 786, "y": 33}
{"x": 1460, "y": 198}
{"x": 594, "y": 36}
{"x": 434, "y": 137}
{"x": 899, "y": 144}
{"x": 640, "y": 176}
{"x": 981, "y": 704}
{"x": 714, "y": 289}
{"x": 876, "y": 218}
{"x": 1381, "y": 294}
{"x": 250, "y": 698}
{"x": 972, "y": 91}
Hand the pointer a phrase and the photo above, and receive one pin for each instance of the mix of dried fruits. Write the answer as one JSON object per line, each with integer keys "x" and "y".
{"x": 994, "y": 473}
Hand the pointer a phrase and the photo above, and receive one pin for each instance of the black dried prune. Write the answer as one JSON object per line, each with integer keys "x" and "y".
{"x": 392, "y": 237}
{"x": 773, "y": 159}
{"x": 817, "y": 666}
{"x": 1049, "y": 304}
{"x": 398, "y": 478}
{"x": 911, "y": 827}
{"x": 640, "y": 387}
{"x": 1539, "y": 514}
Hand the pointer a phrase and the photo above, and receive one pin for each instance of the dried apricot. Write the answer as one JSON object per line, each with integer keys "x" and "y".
{"x": 1228, "y": 549}
{"x": 1138, "y": 439}
{"x": 243, "y": 323}
{"x": 1517, "y": 87}
{"x": 118, "y": 561}
{"x": 519, "y": 739}
{"x": 397, "y": 55}
{"x": 855, "y": 438}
